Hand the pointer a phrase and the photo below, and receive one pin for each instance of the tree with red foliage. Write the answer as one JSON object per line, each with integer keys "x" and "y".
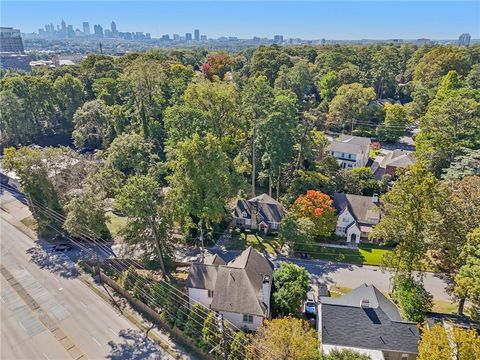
{"x": 220, "y": 63}
{"x": 317, "y": 207}
{"x": 206, "y": 71}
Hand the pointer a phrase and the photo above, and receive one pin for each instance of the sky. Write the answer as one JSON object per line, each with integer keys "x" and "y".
{"x": 244, "y": 19}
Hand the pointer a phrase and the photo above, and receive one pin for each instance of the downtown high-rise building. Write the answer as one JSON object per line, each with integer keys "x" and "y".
{"x": 278, "y": 39}
{"x": 464, "y": 39}
{"x": 98, "y": 31}
{"x": 196, "y": 35}
{"x": 11, "y": 41}
{"x": 188, "y": 36}
{"x": 113, "y": 29}
{"x": 86, "y": 28}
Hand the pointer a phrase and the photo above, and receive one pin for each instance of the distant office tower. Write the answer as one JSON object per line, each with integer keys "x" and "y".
{"x": 86, "y": 28}
{"x": 176, "y": 37}
{"x": 113, "y": 28}
{"x": 203, "y": 37}
{"x": 166, "y": 37}
{"x": 278, "y": 39}
{"x": 64, "y": 28}
{"x": 196, "y": 35}
{"x": 464, "y": 39}
{"x": 107, "y": 33}
{"x": 70, "y": 31}
{"x": 11, "y": 40}
{"x": 148, "y": 36}
{"x": 188, "y": 36}
{"x": 98, "y": 31}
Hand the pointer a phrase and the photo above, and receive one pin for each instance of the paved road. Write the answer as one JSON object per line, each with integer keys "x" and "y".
{"x": 88, "y": 321}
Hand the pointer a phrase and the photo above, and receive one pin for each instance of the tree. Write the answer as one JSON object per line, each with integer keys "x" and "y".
{"x": 407, "y": 211}
{"x": 220, "y": 63}
{"x": 439, "y": 343}
{"x": 70, "y": 97}
{"x": 106, "y": 89}
{"x": 211, "y": 335}
{"x": 467, "y": 280}
{"x": 296, "y": 231}
{"x": 194, "y": 324}
{"x": 202, "y": 181}
{"x": 412, "y": 298}
{"x": 267, "y": 61}
{"x": 328, "y": 86}
{"x": 86, "y": 215}
{"x": 91, "y": 125}
{"x": 297, "y": 79}
{"x": 291, "y": 286}
{"x": 277, "y": 136}
{"x": 463, "y": 165}
{"x": 317, "y": 207}
{"x": 359, "y": 181}
{"x": 15, "y": 124}
{"x": 344, "y": 354}
{"x": 473, "y": 78}
{"x": 240, "y": 346}
{"x": 287, "y": 338}
{"x": 142, "y": 201}
{"x": 394, "y": 125}
{"x": 386, "y": 67}
{"x": 350, "y": 103}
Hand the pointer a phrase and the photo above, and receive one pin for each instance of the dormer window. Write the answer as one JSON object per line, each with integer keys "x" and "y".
{"x": 244, "y": 214}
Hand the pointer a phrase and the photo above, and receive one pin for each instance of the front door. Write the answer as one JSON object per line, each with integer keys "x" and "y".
{"x": 353, "y": 238}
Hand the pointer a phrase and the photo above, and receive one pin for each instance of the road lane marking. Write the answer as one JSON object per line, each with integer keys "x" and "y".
{"x": 94, "y": 339}
{"x": 83, "y": 304}
{"x": 45, "y": 356}
{"x": 113, "y": 332}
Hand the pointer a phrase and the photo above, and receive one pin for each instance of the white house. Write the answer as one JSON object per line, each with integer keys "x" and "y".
{"x": 239, "y": 290}
{"x": 357, "y": 215}
{"x": 365, "y": 321}
{"x": 350, "y": 151}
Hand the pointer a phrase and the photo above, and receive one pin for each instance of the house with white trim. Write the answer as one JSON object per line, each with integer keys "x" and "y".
{"x": 350, "y": 151}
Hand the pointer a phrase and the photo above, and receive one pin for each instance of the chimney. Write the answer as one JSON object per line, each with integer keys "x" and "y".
{"x": 375, "y": 198}
{"x": 266, "y": 289}
{"x": 365, "y": 303}
{"x": 254, "y": 210}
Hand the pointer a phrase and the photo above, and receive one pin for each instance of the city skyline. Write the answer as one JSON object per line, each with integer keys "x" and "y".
{"x": 341, "y": 20}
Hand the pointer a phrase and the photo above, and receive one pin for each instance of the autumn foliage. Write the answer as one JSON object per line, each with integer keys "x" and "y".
{"x": 317, "y": 207}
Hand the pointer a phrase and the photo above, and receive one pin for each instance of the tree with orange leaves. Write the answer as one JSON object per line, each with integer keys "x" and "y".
{"x": 317, "y": 207}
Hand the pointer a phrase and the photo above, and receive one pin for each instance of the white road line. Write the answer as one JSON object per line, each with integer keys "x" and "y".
{"x": 94, "y": 339}
{"x": 21, "y": 325}
{"x": 83, "y": 304}
{"x": 112, "y": 331}
{"x": 45, "y": 356}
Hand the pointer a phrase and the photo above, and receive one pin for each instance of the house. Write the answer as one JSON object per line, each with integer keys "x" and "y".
{"x": 390, "y": 161}
{"x": 367, "y": 322}
{"x": 350, "y": 151}
{"x": 357, "y": 215}
{"x": 261, "y": 212}
{"x": 239, "y": 290}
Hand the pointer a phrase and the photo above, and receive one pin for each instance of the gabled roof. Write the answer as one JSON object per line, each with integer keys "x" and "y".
{"x": 361, "y": 207}
{"x": 269, "y": 210}
{"x": 379, "y": 326}
{"x": 214, "y": 259}
{"x": 350, "y": 144}
{"x": 398, "y": 158}
{"x": 238, "y": 285}
{"x": 366, "y": 292}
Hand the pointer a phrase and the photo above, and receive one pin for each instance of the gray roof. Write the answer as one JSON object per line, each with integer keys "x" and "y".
{"x": 350, "y": 144}
{"x": 214, "y": 259}
{"x": 366, "y": 292}
{"x": 269, "y": 210}
{"x": 367, "y": 328}
{"x": 361, "y": 207}
{"x": 237, "y": 285}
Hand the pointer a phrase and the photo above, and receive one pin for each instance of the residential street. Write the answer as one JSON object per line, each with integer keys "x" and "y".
{"x": 91, "y": 325}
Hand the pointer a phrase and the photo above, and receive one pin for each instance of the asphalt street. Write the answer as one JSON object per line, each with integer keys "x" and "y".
{"x": 91, "y": 324}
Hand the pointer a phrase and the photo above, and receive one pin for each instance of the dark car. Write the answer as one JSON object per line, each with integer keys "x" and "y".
{"x": 62, "y": 247}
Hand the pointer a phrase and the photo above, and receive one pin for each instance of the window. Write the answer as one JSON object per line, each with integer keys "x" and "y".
{"x": 345, "y": 219}
{"x": 248, "y": 318}
{"x": 210, "y": 293}
{"x": 404, "y": 356}
{"x": 349, "y": 156}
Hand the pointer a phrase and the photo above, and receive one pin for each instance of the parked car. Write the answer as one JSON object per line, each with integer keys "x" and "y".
{"x": 310, "y": 305}
{"x": 62, "y": 247}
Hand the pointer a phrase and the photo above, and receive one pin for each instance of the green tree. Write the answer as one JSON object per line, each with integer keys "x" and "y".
{"x": 106, "y": 89}
{"x": 344, "y": 354}
{"x": 296, "y": 231}
{"x": 349, "y": 103}
{"x": 194, "y": 324}
{"x": 287, "y": 338}
{"x": 239, "y": 346}
{"x": 211, "y": 335}
{"x": 291, "y": 286}
{"x": 127, "y": 278}
{"x": 70, "y": 97}
{"x": 267, "y": 61}
{"x": 297, "y": 79}
{"x": 394, "y": 125}
{"x": 412, "y": 298}
{"x": 86, "y": 215}
{"x": 202, "y": 180}
{"x": 358, "y": 181}
{"x": 91, "y": 125}
{"x": 15, "y": 124}
{"x": 328, "y": 86}
{"x": 142, "y": 201}
{"x": 438, "y": 343}
{"x": 407, "y": 211}
{"x": 473, "y": 78}
{"x": 464, "y": 165}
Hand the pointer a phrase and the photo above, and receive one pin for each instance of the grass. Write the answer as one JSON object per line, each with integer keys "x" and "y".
{"x": 115, "y": 223}
{"x": 240, "y": 241}
{"x": 30, "y": 223}
{"x": 444, "y": 306}
{"x": 367, "y": 254}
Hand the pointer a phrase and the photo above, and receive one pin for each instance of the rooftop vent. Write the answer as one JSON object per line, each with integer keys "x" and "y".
{"x": 365, "y": 303}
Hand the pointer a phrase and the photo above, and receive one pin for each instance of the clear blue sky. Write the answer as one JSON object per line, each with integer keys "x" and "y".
{"x": 304, "y": 19}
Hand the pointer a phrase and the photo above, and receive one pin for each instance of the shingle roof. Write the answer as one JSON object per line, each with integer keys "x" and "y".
{"x": 361, "y": 207}
{"x": 368, "y": 328}
{"x": 214, "y": 259}
{"x": 350, "y": 144}
{"x": 366, "y": 292}
{"x": 237, "y": 285}
{"x": 269, "y": 210}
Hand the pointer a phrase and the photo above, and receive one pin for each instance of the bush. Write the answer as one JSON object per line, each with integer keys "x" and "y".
{"x": 412, "y": 298}
{"x": 128, "y": 278}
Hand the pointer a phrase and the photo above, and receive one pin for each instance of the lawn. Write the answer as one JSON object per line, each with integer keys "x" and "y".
{"x": 366, "y": 254}
{"x": 337, "y": 291}
{"x": 115, "y": 223}
{"x": 240, "y": 241}
{"x": 30, "y": 222}
{"x": 444, "y": 306}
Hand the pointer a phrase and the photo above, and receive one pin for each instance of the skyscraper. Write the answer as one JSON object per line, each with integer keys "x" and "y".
{"x": 464, "y": 39}
{"x": 98, "y": 31}
{"x": 278, "y": 39}
{"x": 113, "y": 28}
{"x": 64, "y": 28}
{"x": 86, "y": 28}
{"x": 188, "y": 36}
{"x": 196, "y": 35}
{"x": 11, "y": 40}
